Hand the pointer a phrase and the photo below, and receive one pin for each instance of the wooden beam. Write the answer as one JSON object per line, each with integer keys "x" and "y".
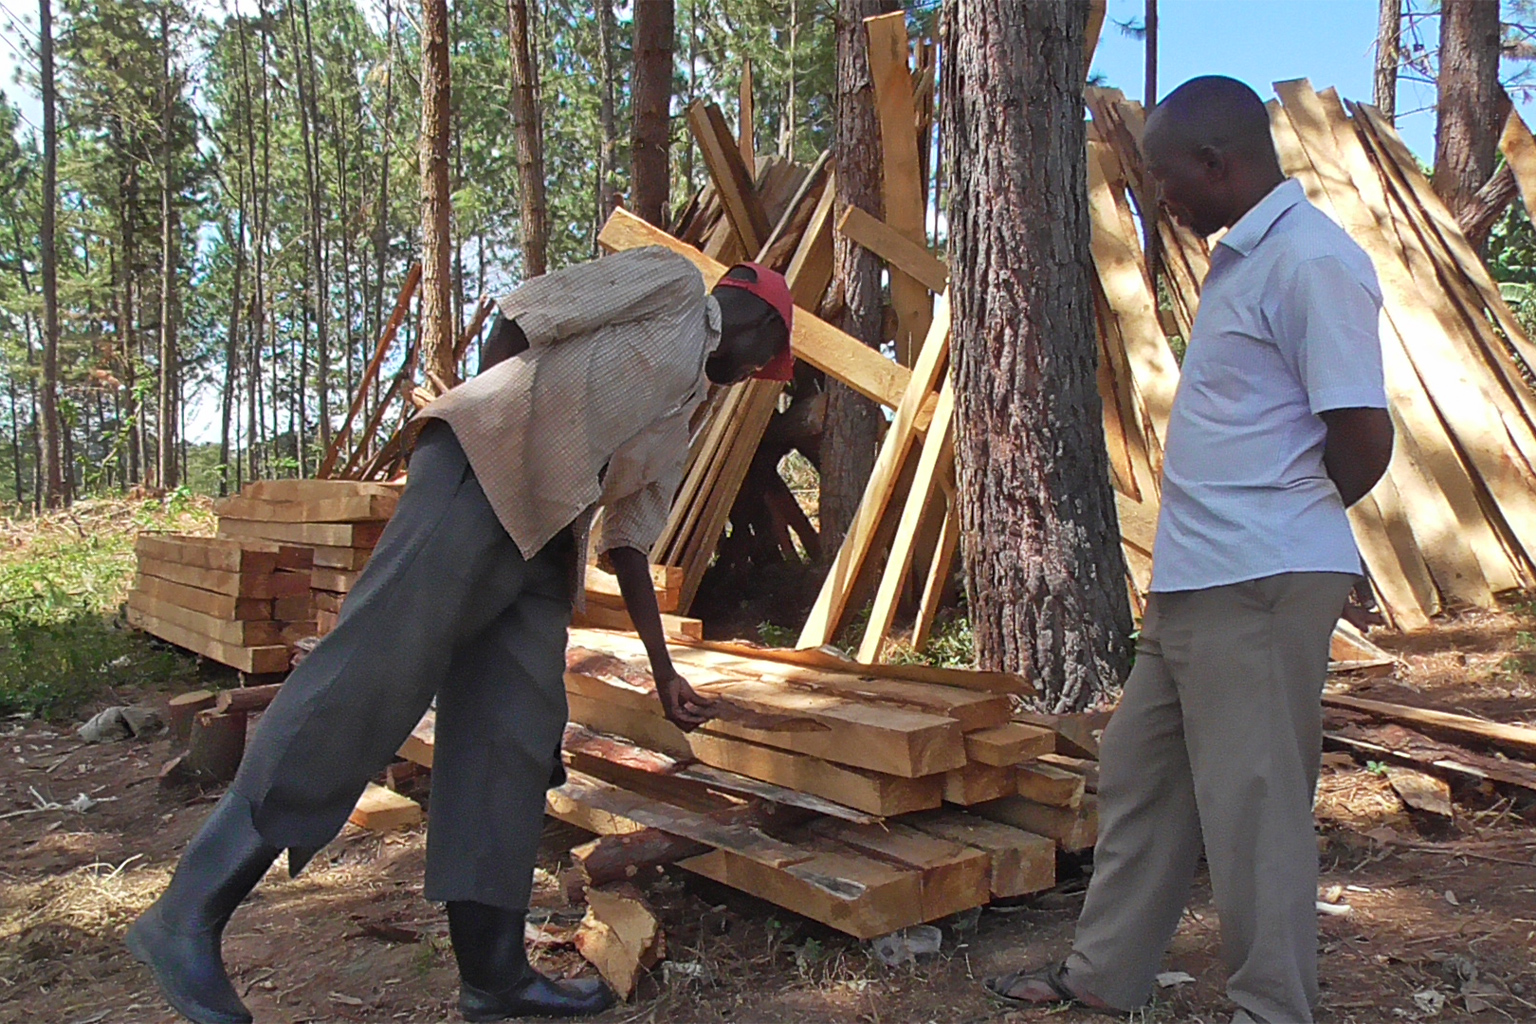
{"x": 825, "y": 347}
{"x": 903, "y": 193}
{"x": 1020, "y": 862}
{"x": 206, "y": 602}
{"x": 384, "y": 810}
{"x": 1009, "y": 744}
{"x": 337, "y": 535}
{"x": 247, "y": 659}
{"x": 955, "y": 877}
{"x": 745, "y": 115}
{"x": 349, "y": 509}
{"x": 1512, "y": 737}
{"x": 895, "y": 248}
{"x": 233, "y": 584}
{"x": 1074, "y": 828}
{"x": 239, "y": 633}
{"x": 831, "y": 603}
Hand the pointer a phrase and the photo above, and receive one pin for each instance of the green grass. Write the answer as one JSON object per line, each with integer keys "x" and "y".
{"x": 63, "y": 577}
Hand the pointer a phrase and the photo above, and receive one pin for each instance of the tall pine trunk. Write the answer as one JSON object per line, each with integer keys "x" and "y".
{"x": 853, "y": 422}
{"x": 607, "y": 118}
{"x": 1389, "y": 29}
{"x": 437, "y": 336}
{"x": 651, "y": 110}
{"x": 232, "y": 342}
{"x": 1045, "y": 573}
{"x": 166, "y": 420}
{"x": 1470, "y": 111}
{"x": 528, "y": 129}
{"x": 51, "y": 468}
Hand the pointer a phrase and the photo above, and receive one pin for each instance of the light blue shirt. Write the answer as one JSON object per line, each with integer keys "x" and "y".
{"x": 1287, "y": 329}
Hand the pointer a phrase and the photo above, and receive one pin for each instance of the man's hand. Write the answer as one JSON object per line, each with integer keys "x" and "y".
{"x": 683, "y": 707}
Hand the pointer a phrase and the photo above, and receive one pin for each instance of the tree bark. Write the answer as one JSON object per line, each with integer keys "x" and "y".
{"x": 320, "y": 256}
{"x": 165, "y": 425}
{"x": 232, "y": 342}
{"x": 651, "y": 106}
{"x": 48, "y": 438}
{"x": 528, "y": 129}
{"x": 853, "y": 421}
{"x": 436, "y": 249}
{"x": 1389, "y": 30}
{"x": 1480, "y": 215}
{"x": 1045, "y": 573}
{"x": 1470, "y": 114}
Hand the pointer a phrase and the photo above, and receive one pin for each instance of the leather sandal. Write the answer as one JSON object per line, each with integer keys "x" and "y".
{"x": 1049, "y": 986}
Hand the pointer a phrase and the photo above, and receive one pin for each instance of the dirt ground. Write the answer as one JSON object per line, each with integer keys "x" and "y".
{"x": 1441, "y": 919}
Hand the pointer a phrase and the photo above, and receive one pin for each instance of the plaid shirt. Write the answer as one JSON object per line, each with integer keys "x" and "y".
{"x": 595, "y": 412}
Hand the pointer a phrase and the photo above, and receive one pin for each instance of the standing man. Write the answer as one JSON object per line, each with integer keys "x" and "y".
{"x": 467, "y": 598}
{"x": 1280, "y": 423}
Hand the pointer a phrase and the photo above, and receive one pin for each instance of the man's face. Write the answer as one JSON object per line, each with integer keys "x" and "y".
{"x": 1194, "y": 185}
{"x": 743, "y": 350}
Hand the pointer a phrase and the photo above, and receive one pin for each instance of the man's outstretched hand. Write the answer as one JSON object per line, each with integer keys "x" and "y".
{"x": 683, "y": 707}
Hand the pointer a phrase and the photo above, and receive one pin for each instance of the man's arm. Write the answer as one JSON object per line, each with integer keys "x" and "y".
{"x": 683, "y": 707}
{"x": 1357, "y": 451}
{"x": 505, "y": 341}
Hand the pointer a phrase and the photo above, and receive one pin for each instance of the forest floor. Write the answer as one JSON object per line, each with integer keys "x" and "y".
{"x": 1441, "y": 922}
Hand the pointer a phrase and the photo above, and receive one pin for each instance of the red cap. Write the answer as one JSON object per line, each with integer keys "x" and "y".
{"x": 771, "y": 287}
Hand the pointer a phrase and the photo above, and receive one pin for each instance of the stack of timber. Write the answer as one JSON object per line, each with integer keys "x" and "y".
{"x": 1453, "y": 523}
{"x": 867, "y": 801}
{"x": 239, "y": 602}
{"x": 338, "y": 521}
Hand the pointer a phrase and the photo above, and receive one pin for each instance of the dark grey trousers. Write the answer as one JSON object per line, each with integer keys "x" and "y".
{"x": 446, "y": 607}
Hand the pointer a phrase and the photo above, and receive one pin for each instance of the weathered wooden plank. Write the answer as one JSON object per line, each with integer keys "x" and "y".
{"x": 976, "y": 783}
{"x": 350, "y": 509}
{"x": 1047, "y": 784}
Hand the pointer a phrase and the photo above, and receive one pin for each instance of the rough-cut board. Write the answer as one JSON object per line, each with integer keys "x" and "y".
{"x": 206, "y": 602}
{"x": 317, "y": 490}
{"x": 1009, "y": 744}
{"x": 417, "y": 747}
{"x": 351, "y": 509}
{"x": 977, "y": 783}
{"x": 253, "y": 557}
{"x": 832, "y": 660}
{"x": 874, "y": 792}
{"x": 854, "y": 894}
{"x": 825, "y": 347}
{"x": 954, "y": 877}
{"x": 382, "y": 810}
{"x": 635, "y": 722}
{"x": 246, "y": 659}
{"x": 896, "y": 249}
{"x": 1047, "y": 784}
{"x": 1021, "y": 862}
{"x": 1514, "y": 737}
{"x": 337, "y": 535}
{"x": 733, "y": 182}
{"x": 233, "y": 584}
{"x": 349, "y": 559}
{"x": 884, "y": 739}
{"x": 676, "y": 627}
{"x": 1073, "y": 828}
{"x": 241, "y": 633}
{"x": 603, "y": 588}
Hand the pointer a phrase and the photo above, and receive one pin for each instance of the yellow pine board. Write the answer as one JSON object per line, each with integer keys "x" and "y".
{"x": 339, "y": 535}
{"x": 229, "y": 631}
{"x": 209, "y": 552}
{"x": 218, "y": 606}
{"x": 382, "y": 810}
{"x": 601, "y": 617}
{"x": 351, "y": 509}
{"x": 862, "y": 790}
{"x": 894, "y": 248}
{"x": 825, "y": 347}
{"x": 233, "y": 584}
{"x": 418, "y": 746}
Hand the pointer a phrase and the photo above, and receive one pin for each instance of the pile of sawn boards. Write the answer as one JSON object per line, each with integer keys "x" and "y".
{"x": 868, "y": 802}
{"x": 240, "y": 603}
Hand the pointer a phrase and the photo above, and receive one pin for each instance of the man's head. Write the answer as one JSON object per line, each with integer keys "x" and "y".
{"x": 1209, "y": 149}
{"x": 756, "y": 312}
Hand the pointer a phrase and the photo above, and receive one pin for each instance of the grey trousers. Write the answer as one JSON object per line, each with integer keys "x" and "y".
{"x": 446, "y": 607}
{"x": 1218, "y": 736}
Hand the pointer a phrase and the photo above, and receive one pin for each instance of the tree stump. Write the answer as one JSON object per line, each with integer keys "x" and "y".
{"x": 217, "y": 744}
{"x": 183, "y": 707}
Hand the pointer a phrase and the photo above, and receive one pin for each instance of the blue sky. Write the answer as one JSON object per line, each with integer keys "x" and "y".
{"x": 1261, "y": 42}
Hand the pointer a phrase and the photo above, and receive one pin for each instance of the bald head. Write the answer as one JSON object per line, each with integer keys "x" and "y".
{"x": 1209, "y": 147}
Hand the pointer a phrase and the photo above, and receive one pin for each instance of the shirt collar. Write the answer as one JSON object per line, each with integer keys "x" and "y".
{"x": 711, "y": 324}
{"x": 1250, "y": 229}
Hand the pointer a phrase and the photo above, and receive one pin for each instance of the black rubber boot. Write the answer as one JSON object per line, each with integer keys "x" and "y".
{"x": 495, "y": 981}
{"x": 180, "y": 935}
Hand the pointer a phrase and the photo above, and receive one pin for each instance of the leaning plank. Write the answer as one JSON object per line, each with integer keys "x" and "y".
{"x": 209, "y": 553}
{"x": 1519, "y": 149}
{"x": 903, "y": 192}
{"x": 854, "y": 894}
{"x": 206, "y": 602}
{"x": 246, "y": 659}
{"x": 1512, "y": 737}
{"x": 825, "y": 347}
{"x": 338, "y": 535}
{"x": 874, "y": 792}
{"x": 229, "y": 631}
{"x": 733, "y": 184}
{"x": 954, "y": 877}
{"x": 233, "y": 584}
{"x": 383, "y": 810}
{"x": 831, "y": 603}
{"x": 895, "y": 248}
{"x": 1021, "y": 862}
